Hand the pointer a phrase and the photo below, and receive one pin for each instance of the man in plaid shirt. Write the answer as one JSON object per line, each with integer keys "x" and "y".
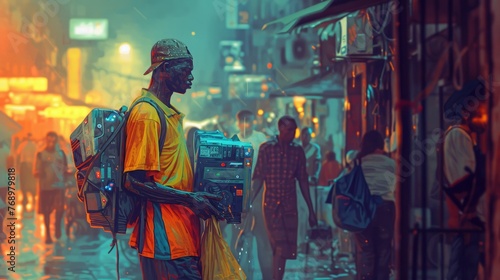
{"x": 280, "y": 164}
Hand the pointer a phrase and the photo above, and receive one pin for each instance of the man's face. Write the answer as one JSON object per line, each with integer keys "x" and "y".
{"x": 51, "y": 142}
{"x": 246, "y": 125}
{"x": 179, "y": 77}
{"x": 287, "y": 131}
{"x": 306, "y": 137}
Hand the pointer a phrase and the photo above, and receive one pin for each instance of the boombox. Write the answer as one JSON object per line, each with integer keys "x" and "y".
{"x": 224, "y": 167}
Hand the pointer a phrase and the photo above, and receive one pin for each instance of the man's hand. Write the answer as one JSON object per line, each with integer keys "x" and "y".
{"x": 312, "y": 219}
{"x": 202, "y": 206}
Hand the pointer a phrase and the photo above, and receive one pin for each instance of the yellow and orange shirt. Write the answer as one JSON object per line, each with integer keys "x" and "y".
{"x": 171, "y": 231}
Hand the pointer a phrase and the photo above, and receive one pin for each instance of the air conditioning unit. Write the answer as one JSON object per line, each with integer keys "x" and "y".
{"x": 353, "y": 36}
{"x": 299, "y": 50}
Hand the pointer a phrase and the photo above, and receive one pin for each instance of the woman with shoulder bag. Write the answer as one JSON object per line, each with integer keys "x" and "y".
{"x": 374, "y": 244}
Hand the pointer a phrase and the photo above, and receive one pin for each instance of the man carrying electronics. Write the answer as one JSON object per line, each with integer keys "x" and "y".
{"x": 168, "y": 242}
{"x": 280, "y": 164}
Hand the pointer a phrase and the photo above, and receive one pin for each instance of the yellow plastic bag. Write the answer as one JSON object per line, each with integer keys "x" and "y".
{"x": 217, "y": 260}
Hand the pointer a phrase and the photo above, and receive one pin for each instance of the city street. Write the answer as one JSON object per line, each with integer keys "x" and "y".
{"x": 82, "y": 258}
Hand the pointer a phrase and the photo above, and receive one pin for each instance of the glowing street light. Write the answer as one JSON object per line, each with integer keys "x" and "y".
{"x": 125, "y": 49}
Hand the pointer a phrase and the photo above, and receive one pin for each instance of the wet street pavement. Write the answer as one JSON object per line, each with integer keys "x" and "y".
{"x": 87, "y": 258}
{"x": 67, "y": 258}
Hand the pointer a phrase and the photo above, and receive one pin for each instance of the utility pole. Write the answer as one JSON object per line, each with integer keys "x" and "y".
{"x": 404, "y": 133}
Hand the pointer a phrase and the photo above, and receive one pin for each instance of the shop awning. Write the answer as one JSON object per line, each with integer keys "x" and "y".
{"x": 8, "y": 127}
{"x": 325, "y": 85}
{"x": 326, "y": 10}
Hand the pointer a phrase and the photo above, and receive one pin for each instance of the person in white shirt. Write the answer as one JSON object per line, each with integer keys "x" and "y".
{"x": 25, "y": 156}
{"x": 374, "y": 244}
{"x": 255, "y": 221}
{"x": 464, "y": 173}
{"x": 313, "y": 155}
{"x": 313, "y": 165}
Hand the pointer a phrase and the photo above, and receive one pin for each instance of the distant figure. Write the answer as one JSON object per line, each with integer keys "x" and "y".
{"x": 313, "y": 166}
{"x": 70, "y": 181}
{"x": 25, "y": 156}
{"x": 349, "y": 159}
{"x": 374, "y": 244}
{"x": 51, "y": 169}
{"x": 330, "y": 169}
{"x": 313, "y": 155}
{"x": 245, "y": 121}
{"x": 281, "y": 163}
{"x": 464, "y": 170}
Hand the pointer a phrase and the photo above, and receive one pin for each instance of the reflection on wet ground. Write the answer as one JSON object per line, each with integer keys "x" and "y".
{"x": 68, "y": 258}
{"x": 87, "y": 258}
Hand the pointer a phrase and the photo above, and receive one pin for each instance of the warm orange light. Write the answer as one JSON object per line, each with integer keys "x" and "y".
{"x": 21, "y": 108}
{"x": 315, "y": 120}
{"x": 229, "y": 59}
{"x": 264, "y": 87}
{"x": 313, "y": 135}
{"x": 269, "y": 65}
{"x": 214, "y": 90}
{"x": 199, "y": 94}
{"x": 36, "y": 84}
{"x": 74, "y": 56}
{"x": 260, "y": 112}
{"x": 299, "y": 101}
{"x": 66, "y": 112}
{"x": 347, "y": 105}
{"x": 297, "y": 133}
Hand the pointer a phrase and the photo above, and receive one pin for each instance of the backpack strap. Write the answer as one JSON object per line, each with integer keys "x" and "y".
{"x": 163, "y": 120}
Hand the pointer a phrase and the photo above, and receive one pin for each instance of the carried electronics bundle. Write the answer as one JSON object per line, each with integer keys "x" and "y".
{"x": 98, "y": 145}
{"x": 224, "y": 167}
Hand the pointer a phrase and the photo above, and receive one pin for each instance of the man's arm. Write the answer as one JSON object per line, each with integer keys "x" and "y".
{"x": 259, "y": 173}
{"x": 142, "y": 160}
{"x": 317, "y": 164}
{"x": 302, "y": 177}
{"x": 144, "y": 186}
{"x": 37, "y": 165}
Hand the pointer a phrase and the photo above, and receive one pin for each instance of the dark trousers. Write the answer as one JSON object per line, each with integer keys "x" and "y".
{"x": 374, "y": 244}
{"x": 188, "y": 268}
{"x": 465, "y": 256}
